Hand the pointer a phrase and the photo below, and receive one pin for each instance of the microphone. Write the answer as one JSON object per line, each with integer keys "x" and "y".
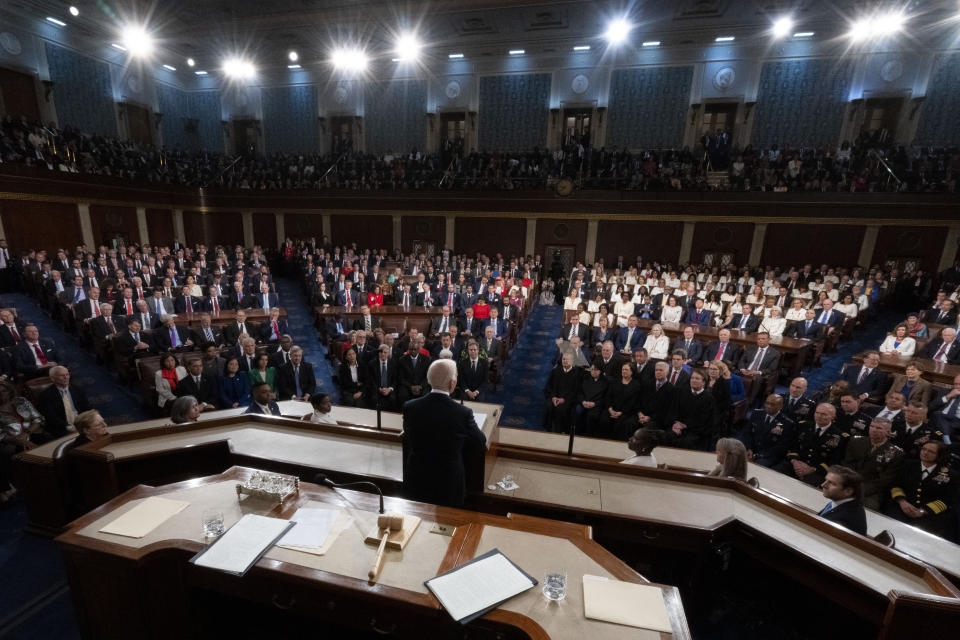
{"x": 321, "y": 478}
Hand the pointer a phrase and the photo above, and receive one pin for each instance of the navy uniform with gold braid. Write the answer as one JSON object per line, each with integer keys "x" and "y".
{"x": 816, "y": 450}
{"x": 936, "y": 495}
{"x": 856, "y": 424}
{"x": 911, "y": 442}
{"x": 801, "y": 412}
{"x": 769, "y": 440}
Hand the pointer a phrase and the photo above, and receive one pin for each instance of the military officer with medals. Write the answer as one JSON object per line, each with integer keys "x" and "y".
{"x": 819, "y": 444}
{"x": 878, "y": 461}
{"x": 926, "y": 492}
{"x": 795, "y": 406}
{"x": 768, "y": 433}
{"x": 850, "y": 418}
{"x": 914, "y": 431}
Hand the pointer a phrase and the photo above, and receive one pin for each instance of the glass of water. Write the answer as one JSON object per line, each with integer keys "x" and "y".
{"x": 212, "y": 523}
{"x": 555, "y": 584}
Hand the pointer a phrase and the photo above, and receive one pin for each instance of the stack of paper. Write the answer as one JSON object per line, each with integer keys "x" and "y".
{"x": 145, "y": 517}
{"x": 474, "y": 588}
{"x": 635, "y": 605}
{"x": 243, "y": 544}
{"x": 314, "y": 531}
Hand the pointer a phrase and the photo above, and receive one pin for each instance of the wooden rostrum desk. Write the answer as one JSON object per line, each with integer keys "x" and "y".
{"x": 146, "y": 588}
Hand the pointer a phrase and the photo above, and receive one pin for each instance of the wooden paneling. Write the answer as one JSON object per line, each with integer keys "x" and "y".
{"x": 265, "y": 230}
{"x": 160, "y": 227}
{"x": 798, "y": 244}
{"x": 422, "y": 229}
{"x": 373, "y": 232}
{"x": 110, "y": 222}
{"x": 224, "y": 228}
{"x": 561, "y": 232}
{"x": 911, "y": 242}
{"x": 19, "y": 94}
{"x": 490, "y": 236}
{"x": 193, "y": 228}
{"x": 721, "y": 236}
{"x": 40, "y": 225}
{"x": 652, "y": 240}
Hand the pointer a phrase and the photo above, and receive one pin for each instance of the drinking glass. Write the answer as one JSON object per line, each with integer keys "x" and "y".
{"x": 555, "y": 584}
{"x": 212, "y": 523}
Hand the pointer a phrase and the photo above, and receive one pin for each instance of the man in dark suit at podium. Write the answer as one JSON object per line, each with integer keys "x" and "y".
{"x": 439, "y": 434}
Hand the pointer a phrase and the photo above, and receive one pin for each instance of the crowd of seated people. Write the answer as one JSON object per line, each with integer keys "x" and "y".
{"x": 849, "y": 167}
{"x": 896, "y": 430}
{"x": 472, "y": 309}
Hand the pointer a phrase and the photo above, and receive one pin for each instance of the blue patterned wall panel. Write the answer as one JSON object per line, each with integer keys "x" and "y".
{"x": 648, "y": 107}
{"x": 513, "y": 111}
{"x": 290, "y": 119}
{"x": 82, "y": 92}
{"x": 174, "y": 104}
{"x": 801, "y": 102}
{"x": 206, "y": 107}
{"x": 938, "y": 118}
{"x": 394, "y": 115}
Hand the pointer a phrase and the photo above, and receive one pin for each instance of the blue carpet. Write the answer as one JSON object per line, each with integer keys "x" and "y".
{"x": 301, "y": 327}
{"x": 526, "y": 372}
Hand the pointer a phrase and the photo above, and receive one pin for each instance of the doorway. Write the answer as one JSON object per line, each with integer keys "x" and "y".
{"x": 716, "y": 132}
{"x": 245, "y": 137}
{"x": 576, "y": 127}
{"x": 453, "y": 128}
{"x": 341, "y": 134}
{"x": 880, "y": 119}
{"x": 138, "y": 124}
{"x": 19, "y": 95}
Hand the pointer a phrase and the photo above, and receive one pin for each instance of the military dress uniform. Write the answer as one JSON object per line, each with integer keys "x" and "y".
{"x": 879, "y": 467}
{"x": 768, "y": 437}
{"x": 911, "y": 442}
{"x": 936, "y": 494}
{"x": 800, "y": 410}
{"x": 816, "y": 450}
{"x": 855, "y": 424}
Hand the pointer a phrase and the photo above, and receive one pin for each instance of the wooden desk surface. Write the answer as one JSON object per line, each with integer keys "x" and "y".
{"x": 937, "y": 372}
{"x": 523, "y": 540}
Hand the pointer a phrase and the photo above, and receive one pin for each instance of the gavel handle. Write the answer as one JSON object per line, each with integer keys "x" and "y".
{"x": 378, "y": 561}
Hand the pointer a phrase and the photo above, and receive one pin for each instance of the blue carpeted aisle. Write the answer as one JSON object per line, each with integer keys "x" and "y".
{"x": 300, "y": 323}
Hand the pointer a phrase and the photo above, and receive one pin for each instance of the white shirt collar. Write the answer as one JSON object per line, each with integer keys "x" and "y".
{"x": 445, "y": 393}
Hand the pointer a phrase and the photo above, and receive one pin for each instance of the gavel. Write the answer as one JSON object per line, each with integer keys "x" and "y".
{"x": 387, "y": 523}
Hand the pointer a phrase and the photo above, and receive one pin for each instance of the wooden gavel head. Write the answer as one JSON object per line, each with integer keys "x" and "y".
{"x": 390, "y": 522}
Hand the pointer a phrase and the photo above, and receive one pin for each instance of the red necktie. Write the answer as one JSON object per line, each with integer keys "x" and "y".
{"x": 13, "y": 332}
{"x": 216, "y": 305}
{"x": 720, "y": 351}
{"x": 139, "y": 294}
{"x": 450, "y": 300}
{"x": 673, "y": 377}
{"x": 276, "y": 331}
{"x": 129, "y": 307}
{"x": 189, "y": 304}
{"x": 42, "y": 358}
{"x": 96, "y": 308}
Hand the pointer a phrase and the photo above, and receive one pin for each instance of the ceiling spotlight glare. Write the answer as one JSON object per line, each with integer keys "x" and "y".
{"x": 237, "y": 68}
{"x": 74, "y": 11}
{"x": 293, "y": 56}
{"x": 887, "y": 24}
{"x": 138, "y": 42}
{"x": 860, "y": 30}
{"x": 191, "y": 62}
{"x": 349, "y": 60}
{"x": 782, "y": 27}
{"x": 408, "y": 48}
{"x": 617, "y": 31}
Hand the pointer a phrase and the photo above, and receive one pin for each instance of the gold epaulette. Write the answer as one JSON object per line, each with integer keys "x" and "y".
{"x": 937, "y": 506}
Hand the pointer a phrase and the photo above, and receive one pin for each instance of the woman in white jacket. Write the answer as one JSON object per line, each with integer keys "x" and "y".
{"x": 657, "y": 344}
{"x": 899, "y": 342}
{"x": 165, "y": 380}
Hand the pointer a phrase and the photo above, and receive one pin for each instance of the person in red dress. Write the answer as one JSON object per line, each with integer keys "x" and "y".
{"x": 481, "y": 309}
{"x": 375, "y": 297}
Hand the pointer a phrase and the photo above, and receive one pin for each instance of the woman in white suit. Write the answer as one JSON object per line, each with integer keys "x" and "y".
{"x": 657, "y": 344}
{"x": 899, "y": 342}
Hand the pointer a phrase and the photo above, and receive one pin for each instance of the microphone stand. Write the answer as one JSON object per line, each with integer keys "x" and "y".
{"x": 321, "y": 478}
{"x": 379, "y": 424}
{"x": 573, "y": 432}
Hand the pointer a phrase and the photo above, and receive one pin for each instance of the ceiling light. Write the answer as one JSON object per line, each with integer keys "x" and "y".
{"x": 455, "y": 56}
{"x": 74, "y": 11}
{"x": 59, "y": 23}
{"x": 191, "y": 62}
{"x": 293, "y": 66}
{"x": 652, "y": 43}
{"x": 877, "y": 26}
{"x": 517, "y": 52}
{"x": 239, "y": 68}
{"x": 582, "y": 47}
{"x": 725, "y": 39}
{"x": 349, "y": 59}
{"x": 169, "y": 68}
{"x": 803, "y": 34}
{"x": 137, "y": 41}
{"x": 200, "y": 73}
{"x": 118, "y": 46}
{"x": 408, "y": 48}
{"x": 617, "y": 31}
{"x": 293, "y": 56}
{"x": 782, "y": 27}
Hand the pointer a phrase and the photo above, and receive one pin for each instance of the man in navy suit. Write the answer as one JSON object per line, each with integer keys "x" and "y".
{"x": 451, "y": 299}
{"x": 944, "y": 413}
{"x": 442, "y": 441}
{"x": 575, "y": 329}
{"x": 808, "y": 328}
{"x": 186, "y": 303}
{"x": 722, "y": 349}
{"x": 631, "y": 337}
{"x": 214, "y": 303}
{"x": 829, "y": 318}
{"x": 273, "y": 327}
{"x": 866, "y": 381}
{"x": 768, "y": 433}
{"x": 33, "y": 356}
{"x": 170, "y": 337}
{"x": 944, "y": 348}
{"x": 698, "y": 315}
{"x": 262, "y": 403}
{"x": 689, "y": 345}
{"x": 347, "y": 294}
{"x": 842, "y": 487}
{"x": 500, "y": 328}
{"x": 265, "y": 299}
{"x": 745, "y": 321}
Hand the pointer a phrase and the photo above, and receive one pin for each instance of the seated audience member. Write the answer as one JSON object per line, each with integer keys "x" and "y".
{"x": 186, "y": 302}
{"x": 133, "y": 342}
{"x": 642, "y": 443}
{"x": 61, "y": 403}
{"x": 912, "y": 431}
{"x": 90, "y": 427}
{"x": 622, "y": 402}
{"x": 738, "y": 391}
{"x": 382, "y": 380}
{"x": 722, "y": 349}
{"x": 213, "y": 364}
{"x": 898, "y": 342}
{"x": 167, "y": 379}
{"x": 868, "y": 380}
{"x": 795, "y": 406}
{"x": 944, "y": 314}
{"x": 441, "y": 324}
{"x": 831, "y": 319}
{"x": 745, "y": 321}
{"x": 233, "y": 386}
{"x": 769, "y": 433}
{"x": 761, "y": 361}
{"x": 21, "y": 429}
{"x": 945, "y": 412}
{"x": 273, "y": 328}
{"x": 263, "y": 372}
{"x": 925, "y": 494}
{"x": 247, "y": 354}
{"x": 412, "y": 372}
{"x": 352, "y": 380}
{"x": 911, "y": 385}
{"x": 892, "y": 409}
{"x": 591, "y": 399}
{"x": 850, "y": 418}
{"x": 718, "y": 384}
{"x": 214, "y": 302}
{"x": 657, "y": 406}
{"x": 471, "y": 374}
{"x": 185, "y": 409}
{"x": 206, "y": 332}
{"x": 469, "y": 326}
{"x": 731, "y": 460}
{"x": 915, "y": 328}
{"x": 322, "y": 409}
{"x": 33, "y": 356}
{"x": 774, "y": 324}
{"x": 296, "y": 379}
{"x": 842, "y": 487}
{"x": 944, "y": 348}
{"x": 878, "y": 461}
{"x": 11, "y": 329}
{"x": 698, "y": 315}
{"x": 818, "y": 445}
{"x": 202, "y": 387}
{"x": 170, "y": 337}
{"x": 631, "y": 337}
{"x": 808, "y": 328}
{"x": 692, "y": 347}
{"x": 237, "y": 328}
{"x": 695, "y": 414}
{"x": 266, "y": 300}
{"x": 262, "y": 400}
{"x": 657, "y": 343}
{"x": 561, "y": 391}
{"x": 105, "y": 326}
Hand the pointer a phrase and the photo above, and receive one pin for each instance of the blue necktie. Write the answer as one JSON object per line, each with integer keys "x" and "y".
{"x": 174, "y": 340}
{"x": 296, "y": 379}
{"x": 826, "y": 509}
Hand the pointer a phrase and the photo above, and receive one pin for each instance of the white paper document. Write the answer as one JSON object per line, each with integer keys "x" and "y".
{"x": 477, "y": 586}
{"x": 627, "y": 603}
{"x": 312, "y": 528}
{"x": 243, "y": 543}
{"x": 145, "y": 517}
{"x": 479, "y": 418}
